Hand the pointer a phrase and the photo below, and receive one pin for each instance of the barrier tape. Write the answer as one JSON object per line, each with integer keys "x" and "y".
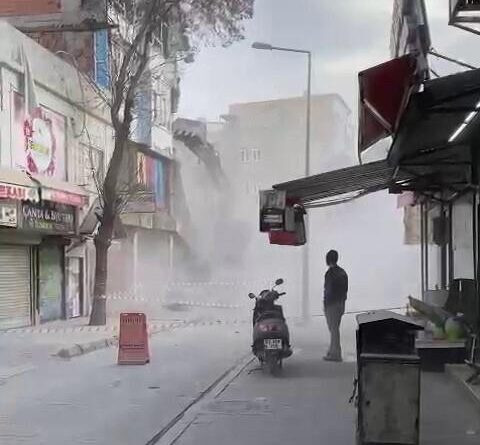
{"x": 152, "y": 327}
{"x": 164, "y": 302}
{"x": 220, "y": 283}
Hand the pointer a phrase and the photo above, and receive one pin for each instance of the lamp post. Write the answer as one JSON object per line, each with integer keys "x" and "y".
{"x": 305, "y": 252}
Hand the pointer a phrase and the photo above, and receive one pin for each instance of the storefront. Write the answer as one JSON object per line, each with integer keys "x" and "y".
{"x": 34, "y": 286}
{"x": 434, "y": 162}
{"x": 56, "y": 223}
{"x": 17, "y": 251}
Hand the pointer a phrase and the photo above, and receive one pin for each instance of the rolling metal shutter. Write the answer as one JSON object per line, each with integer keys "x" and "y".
{"x": 14, "y": 286}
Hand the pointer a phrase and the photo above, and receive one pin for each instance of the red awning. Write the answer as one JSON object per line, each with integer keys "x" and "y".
{"x": 384, "y": 92}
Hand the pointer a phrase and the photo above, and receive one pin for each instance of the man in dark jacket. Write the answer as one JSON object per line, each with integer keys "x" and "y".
{"x": 335, "y": 294}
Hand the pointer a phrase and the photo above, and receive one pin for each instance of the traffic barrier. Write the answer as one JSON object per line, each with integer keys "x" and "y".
{"x": 133, "y": 339}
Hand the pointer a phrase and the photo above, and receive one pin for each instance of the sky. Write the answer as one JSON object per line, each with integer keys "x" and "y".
{"x": 344, "y": 37}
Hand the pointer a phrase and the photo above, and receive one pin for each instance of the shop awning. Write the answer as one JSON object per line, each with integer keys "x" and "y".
{"x": 61, "y": 192}
{"x": 443, "y": 116}
{"x": 343, "y": 185}
{"x": 384, "y": 92}
{"x": 17, "y": 185}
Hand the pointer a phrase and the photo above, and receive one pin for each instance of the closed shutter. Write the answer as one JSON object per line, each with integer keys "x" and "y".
{"x": 14, "y": 286}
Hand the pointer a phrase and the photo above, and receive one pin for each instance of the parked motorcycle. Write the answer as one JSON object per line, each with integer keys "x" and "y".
{"x": 271, "y": 338}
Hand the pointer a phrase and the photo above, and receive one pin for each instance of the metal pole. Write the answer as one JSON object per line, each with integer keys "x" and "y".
{"x": 306, "y": 264}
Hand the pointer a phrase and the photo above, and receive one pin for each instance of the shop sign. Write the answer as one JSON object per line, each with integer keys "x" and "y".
{"x": 49, "y": 217}
{"x": 39, "y": 143}
{"x": 18, "y": 192}
{"x": 8, "y": 215}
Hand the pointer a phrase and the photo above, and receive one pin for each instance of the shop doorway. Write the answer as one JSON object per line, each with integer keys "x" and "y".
{"x": 74, "y": 303}
{"x": 50, "y": 285}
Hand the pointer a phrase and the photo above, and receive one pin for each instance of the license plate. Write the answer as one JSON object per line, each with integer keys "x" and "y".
{"x": 272, "y": 343}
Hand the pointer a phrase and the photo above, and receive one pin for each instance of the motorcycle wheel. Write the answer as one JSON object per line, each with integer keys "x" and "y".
{"x": 274, "y": 366}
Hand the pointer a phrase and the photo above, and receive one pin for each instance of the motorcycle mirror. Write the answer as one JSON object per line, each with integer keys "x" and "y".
{"x": 250, "y": 295}
{"x": 279, "y": 281}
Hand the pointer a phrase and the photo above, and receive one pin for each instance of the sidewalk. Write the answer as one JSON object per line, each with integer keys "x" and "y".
{"x": 308, "y": 404}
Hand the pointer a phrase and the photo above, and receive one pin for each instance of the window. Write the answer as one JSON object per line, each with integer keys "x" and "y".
{"x": 161, "y": 114}
{"x": 250, "y": 154}
{"x": 90, "y": 162}
{"x": 102, "y": 64}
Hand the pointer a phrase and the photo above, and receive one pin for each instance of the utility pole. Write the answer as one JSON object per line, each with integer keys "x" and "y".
{"x": 305, "y": 249}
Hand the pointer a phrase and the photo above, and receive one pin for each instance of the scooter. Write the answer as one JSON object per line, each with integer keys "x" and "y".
{"x": 271, "y": 338}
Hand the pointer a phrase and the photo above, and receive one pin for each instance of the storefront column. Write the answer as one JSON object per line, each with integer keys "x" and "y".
{"x": 135, "y": 260}
{"x": 171, "y": 253}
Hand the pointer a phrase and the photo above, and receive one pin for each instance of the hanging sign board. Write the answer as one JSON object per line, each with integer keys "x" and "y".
{"x": 8, "y": 214}
{"x": 48, "y": 217}
{"x": 294, "y": 233}
{"x": 272, "y": 210}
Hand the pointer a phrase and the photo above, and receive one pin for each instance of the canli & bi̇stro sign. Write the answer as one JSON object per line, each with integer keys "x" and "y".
{"x": 48, "y": 217}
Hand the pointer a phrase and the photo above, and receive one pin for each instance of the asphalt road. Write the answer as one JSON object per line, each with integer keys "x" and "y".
{"x": 202, "y": 388}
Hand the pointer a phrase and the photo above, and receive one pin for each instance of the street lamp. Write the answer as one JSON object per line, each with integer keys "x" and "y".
{"x": 305, "y": 260}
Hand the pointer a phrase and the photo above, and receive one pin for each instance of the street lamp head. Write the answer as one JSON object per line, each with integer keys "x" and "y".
{"x": 261, "y": 45}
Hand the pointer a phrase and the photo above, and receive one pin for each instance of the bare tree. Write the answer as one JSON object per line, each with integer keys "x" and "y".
{"x": 150, "y": 24}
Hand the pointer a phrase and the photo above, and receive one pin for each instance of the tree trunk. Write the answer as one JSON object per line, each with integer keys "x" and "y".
{"x": 98, "y": 316}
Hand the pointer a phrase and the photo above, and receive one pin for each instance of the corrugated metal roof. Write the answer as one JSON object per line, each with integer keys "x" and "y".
{"x": 360, "y": 179}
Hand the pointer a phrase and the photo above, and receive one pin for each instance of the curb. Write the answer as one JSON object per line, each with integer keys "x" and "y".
{"x": 456, "y": 374}
{"x": 85, "y": 348}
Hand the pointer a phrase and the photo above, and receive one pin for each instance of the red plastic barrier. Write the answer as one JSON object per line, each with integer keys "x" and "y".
{"x": 133, "y": 339}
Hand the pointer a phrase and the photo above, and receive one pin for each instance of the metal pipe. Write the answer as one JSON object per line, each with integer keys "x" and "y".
{"x": 422, "y": 248}
{"x": 451, "y": 59}
{"x": 306, "y": 256}
{"x": 305, "y": 249}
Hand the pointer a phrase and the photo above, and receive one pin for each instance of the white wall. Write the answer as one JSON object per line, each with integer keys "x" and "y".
{"x": 462, "y": 239}
{"x": 59, "y": 88}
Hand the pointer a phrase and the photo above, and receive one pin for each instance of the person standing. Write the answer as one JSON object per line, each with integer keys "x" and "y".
{"x": 334, "y": 296}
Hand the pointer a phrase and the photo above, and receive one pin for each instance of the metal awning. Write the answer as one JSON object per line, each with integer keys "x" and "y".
{"x": 343, "y": 185}
{"x": 442, "y": 116}
{"x": 16, "y": 184}
{"x": 61, "y": 192}
{"x": 384, "y": 91}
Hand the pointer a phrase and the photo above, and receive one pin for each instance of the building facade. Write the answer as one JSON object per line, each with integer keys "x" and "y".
{"x": 49, "y": 187}
{"x": 45, "y": 184}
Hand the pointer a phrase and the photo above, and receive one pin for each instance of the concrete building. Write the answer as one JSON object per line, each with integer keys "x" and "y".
{"x": 45, "y": 181}
{"x": 48, "y": 195}
{"x": 145, "y": 248}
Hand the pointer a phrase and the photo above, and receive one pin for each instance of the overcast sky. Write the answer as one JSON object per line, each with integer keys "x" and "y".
{"x": 344, "y": 37}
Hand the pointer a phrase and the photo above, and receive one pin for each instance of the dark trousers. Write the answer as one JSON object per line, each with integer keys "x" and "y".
{"x": 333, "y": 314}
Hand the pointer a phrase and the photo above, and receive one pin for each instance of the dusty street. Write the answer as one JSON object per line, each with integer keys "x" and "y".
{"x": 202, "y": 388}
